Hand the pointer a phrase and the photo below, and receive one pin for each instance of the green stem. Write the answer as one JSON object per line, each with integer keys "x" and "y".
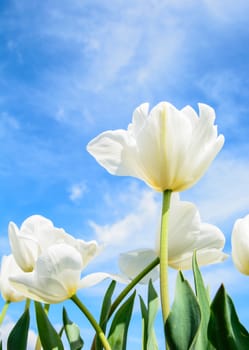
{"x": 164, "y": 288}
{"x": 4, "y": 310}
{"x": 93, "y": 322}
{"x": 132, "y": 284}
{"x": 27, "y": 304}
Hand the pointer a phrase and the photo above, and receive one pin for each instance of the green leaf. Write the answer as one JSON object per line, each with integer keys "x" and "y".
{"x": 72, "y": 332}
{"x": 148, "y": 318}
{"x": 144, "y": 313}
{"x": 153, "y": 305}
{"x": 184, "y": 319}
{"x": 202, "y": 294}
{"x": 120, "y": 324}
{"x": 225, "y": 330}
{"x": 18, "y": 336}
{"x": 50, "y": 339}
{"x": 106, "y": 306}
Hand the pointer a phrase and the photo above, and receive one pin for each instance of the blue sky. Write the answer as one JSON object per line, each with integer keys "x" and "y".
{"x": 72, "y": 69}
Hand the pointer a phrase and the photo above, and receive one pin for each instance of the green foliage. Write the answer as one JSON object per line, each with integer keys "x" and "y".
{"x": 148, "y": 318}
{"x": 202, "y": 342}
{"x": 225, "y": 330}
{"x": 72, "y": 332}
{"x": 50, "y": 339}
{"x": 119, "y": 328}
{"x": 19, "y": 334}
{"x": 183, "y": 323}
{"x": 105, "y": 310}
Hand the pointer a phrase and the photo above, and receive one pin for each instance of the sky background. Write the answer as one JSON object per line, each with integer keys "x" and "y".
{"x": 72, "y": 69}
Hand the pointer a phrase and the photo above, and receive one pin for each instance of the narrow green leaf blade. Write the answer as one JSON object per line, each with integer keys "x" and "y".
{"x": 106, "y": 306}
{"x": 153, "y": 305}
{"x": 18, "y": 336}
{"x": 72, "y": 332}
{"x": 202, "y": 342}
{"x": 225, "y": 330}
{"x": 184, "y": 319}
{"x": 144, "y": 313}
{"x": 48, "y": 335}
{"x": 120, "y": 324}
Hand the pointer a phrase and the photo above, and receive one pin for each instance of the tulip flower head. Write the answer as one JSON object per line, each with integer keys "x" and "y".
{"x": 240, "y": 245}
{"x": 186, "y": 234}
{"x": 57, "y": 275}
{"x": 8, "y": 268}
{"x": 169, "y": 149}
{"x": 36, "y": 235}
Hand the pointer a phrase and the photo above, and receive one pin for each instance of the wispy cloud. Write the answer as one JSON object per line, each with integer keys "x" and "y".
{"x": 77, "y": 191}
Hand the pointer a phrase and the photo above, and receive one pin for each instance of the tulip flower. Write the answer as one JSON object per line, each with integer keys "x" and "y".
{"x": 57, "y": 275}
{"x": 36, "y": 235}
{"x": 9, "y": 267}
{"x": 240, "y": 245}
{"x": 186, "y": 234}
{"x": 169, "y": 149}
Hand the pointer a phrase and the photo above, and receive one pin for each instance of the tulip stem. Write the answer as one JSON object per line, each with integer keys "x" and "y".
{"x": 4, "y": 310}
{"x": 132, "y": 284}
{"x": 164, "y": 289}
{"x": 27, "y": 304}
{"x": 93, "y": 322}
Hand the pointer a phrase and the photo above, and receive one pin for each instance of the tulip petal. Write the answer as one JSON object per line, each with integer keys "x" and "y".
{"x": 97, "y": 277}
{"x": 55, "y": 277}
{"x": 134, "y": 262}
{"x": 9, "y": 267}
{"x": 25, "y": 249}
{"x": 240, "y": 245}
{"x": 208, "y": 244}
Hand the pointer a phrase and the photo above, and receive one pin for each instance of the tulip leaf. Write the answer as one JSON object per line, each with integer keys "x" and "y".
{"x": 225, "y": 330}
{"x": 72, "y": 332}
{"x": 18, "y": 336}
{"x": 202, "y": 294}
{"x": 183, "y": 323}
{"x": 48, "y": 336}
{"x": 144, "y": 313}
{"x": 106, "y": 306}
{"x": 119, "y": 328}
{"x": 148, "y": 319}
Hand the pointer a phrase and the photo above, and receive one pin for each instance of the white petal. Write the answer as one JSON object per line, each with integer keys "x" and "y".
{"x": 184, "y": 227}
{"x": 97, "y": 277}
{"x": 204, "y": 257}
{"x": 56, "y": 275}
{"x": 204, "y": 146}
{"x": 24, "y": 249}
{"x": 116, "y": 152}
{"x": 208, "y": 244}
{"x": 9, "y": 267}
{"x": 134, "y": 262}
{"x": 240, "y": 245}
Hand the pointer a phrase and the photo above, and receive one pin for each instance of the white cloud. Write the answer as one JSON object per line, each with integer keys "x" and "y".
{"x": 136, "y": 228}
{"x": 77, "y": 191}
{"x": 223, "y": 192}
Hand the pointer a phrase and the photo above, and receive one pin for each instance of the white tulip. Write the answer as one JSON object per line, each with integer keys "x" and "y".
{"x": 169, "y": 149}
{"x": 240, "y": 245}
{"x": 9, "y": 267}
{"x": 186, "y": 234}
{"x": 57, "y": 275}
{"x": 36, "y": 235}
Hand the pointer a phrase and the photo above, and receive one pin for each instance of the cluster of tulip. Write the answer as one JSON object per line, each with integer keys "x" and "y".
{"x": 170, "y": 150}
